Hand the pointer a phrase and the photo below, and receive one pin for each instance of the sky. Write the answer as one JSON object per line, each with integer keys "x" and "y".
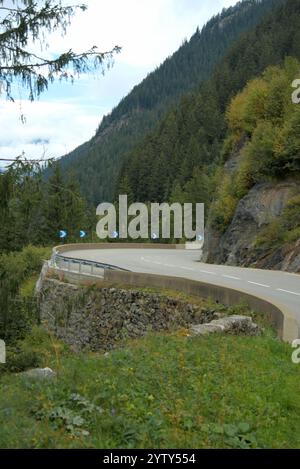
{"x": 68, "y": 114}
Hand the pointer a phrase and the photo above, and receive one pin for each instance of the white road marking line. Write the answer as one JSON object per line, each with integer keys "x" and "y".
{"x": 259, "y": 284}
{"x": 206, "y": 272}
{"x": 231, "y": 277}
{"x": 169, "y": 265}
{"x": 187, "y": 268}
{"x": 287, "y": 291}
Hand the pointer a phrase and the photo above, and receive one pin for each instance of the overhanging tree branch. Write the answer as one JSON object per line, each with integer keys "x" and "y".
{"x": 29, "y": 22}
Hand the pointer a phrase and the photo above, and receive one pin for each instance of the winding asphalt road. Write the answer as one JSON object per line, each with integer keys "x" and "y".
{"x": 274, "y": 285}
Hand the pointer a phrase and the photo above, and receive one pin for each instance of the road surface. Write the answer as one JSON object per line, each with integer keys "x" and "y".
{"x": 274, "y": 285}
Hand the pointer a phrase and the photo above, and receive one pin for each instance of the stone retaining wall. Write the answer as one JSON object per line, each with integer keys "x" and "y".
{"x": 96, "y": 318}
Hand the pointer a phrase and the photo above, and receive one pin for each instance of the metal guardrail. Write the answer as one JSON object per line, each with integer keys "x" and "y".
{"x": 81, "y": 266}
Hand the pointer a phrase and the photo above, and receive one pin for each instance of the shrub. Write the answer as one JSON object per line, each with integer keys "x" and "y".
{"x": 291, "y": 213}
{"x": 257, "y": 159}
{"x": 264, "y": 112}
{"x": 222, "y": 210}
{"x": 292, "y": 236}
{"x": 287, "y": 155}
{"x": 247, "y": 108}
{"x": 18, "y": 310}
{"x": 271, "y": 236}
{"x": 18, "y": 360}
{"x": 270, "y": 125}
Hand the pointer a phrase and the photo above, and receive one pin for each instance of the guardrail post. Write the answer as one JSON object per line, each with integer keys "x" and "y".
{"x": 92, "y": 269}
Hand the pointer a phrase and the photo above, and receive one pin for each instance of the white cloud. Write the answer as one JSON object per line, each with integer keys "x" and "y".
{"x": 147, "y": 30}
{"x": 54, "y": 127}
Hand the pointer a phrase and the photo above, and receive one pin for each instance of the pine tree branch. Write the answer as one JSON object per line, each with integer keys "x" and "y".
{"x": 30, "y": 23}
{"x": 64, "y": 59}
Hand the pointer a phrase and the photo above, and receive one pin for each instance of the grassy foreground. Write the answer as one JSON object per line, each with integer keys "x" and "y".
{"x": 163, "y": 391}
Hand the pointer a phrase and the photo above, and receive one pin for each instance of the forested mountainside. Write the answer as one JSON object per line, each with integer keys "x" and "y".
{"x": 178, "y": 160}
{"x": 237, "y": 151}
{"x": 97, "y": 163}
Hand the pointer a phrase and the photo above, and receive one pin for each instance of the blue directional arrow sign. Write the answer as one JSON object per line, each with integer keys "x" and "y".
{"x": 115, "y": 234}
{"x": 63, "y": 234}
{"x": 154, "y": 236}
{"x": 82, "y": 234}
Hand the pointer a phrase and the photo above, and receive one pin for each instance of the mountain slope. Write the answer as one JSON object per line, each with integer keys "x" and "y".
{"x": 234, "y": 144}
{"x": 178, "y": 161}
{"x": 97, "y": 163}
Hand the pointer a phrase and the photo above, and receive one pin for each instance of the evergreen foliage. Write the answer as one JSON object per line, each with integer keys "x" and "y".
{"x": 97, "y": 163}
{"x": 33, "y": 211}
{"x": 25, "y": 22}
{"x": 193, "y": 138}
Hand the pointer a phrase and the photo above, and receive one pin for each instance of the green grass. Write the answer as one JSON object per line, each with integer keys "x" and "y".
{"x": 163, "y": 391}
{"x": 28, "y": 286}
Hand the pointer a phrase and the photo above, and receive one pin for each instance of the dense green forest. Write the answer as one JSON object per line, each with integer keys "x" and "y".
{"x": 33, "y": 211}
{"x": 183, "y": 158}
{"x": 97, "y": 163}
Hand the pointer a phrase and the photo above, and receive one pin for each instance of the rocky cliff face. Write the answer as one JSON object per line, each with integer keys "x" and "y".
{"x": 264, "y": 203}
{"x": 285, "y": 258}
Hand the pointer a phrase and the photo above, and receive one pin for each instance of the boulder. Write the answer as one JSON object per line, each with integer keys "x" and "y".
{"x": 239, "y": 325}
{"x": 39, "y": 373}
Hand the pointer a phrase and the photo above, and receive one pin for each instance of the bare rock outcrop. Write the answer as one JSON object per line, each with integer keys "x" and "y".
{"x": 285, "y": 258}
{"x": 263, "y": 203}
